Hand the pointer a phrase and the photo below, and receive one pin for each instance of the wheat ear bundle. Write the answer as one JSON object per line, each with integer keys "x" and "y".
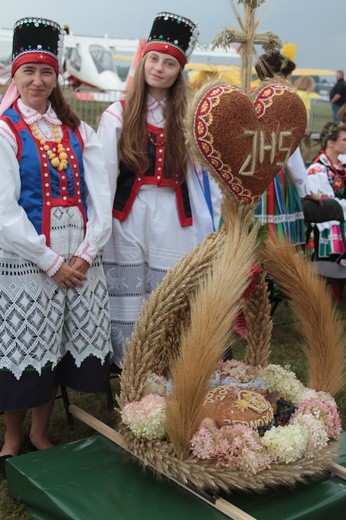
{"x": 206, "y": 338}
{"x": 311, "y": 302}
{"x": 156, "y": 335}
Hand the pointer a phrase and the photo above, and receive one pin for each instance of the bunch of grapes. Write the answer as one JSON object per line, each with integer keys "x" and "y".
{"x": 281, "y": 417}
{"x": 284, "y": 411}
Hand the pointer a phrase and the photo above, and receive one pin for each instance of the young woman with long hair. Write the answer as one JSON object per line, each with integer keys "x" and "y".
{"x": 162, "y": 206}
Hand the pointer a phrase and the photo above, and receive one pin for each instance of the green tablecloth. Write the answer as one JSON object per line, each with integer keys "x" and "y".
{"x": 93, "y": 479}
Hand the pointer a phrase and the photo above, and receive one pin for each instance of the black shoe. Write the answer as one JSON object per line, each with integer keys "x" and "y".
{"x": 3, "y": 459}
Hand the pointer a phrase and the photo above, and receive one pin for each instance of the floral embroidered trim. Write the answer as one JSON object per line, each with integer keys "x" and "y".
{"x": 55, "y": 266}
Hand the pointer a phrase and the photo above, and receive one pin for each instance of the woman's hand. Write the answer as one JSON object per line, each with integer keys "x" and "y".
{"x": 78, "y": 263}
{"x": 315, "y": 197}
{"x": 68, "y": 276}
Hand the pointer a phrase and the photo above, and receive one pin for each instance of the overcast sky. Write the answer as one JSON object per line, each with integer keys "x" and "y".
{"x": 317, "y": 27}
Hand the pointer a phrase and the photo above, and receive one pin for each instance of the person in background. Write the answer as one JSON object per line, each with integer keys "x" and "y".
{"x": 342, "y": 114}
{"x": 337, "y": 96}
{"x": 304, "y": 86}
{"x": 55, "y": 216}
{"x": 327, "y": 178}
{"x": 163, "y": 205}
{"x": 280, "y": 206}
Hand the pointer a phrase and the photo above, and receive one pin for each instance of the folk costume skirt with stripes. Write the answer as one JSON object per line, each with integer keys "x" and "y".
{"x": 280, "y": 208}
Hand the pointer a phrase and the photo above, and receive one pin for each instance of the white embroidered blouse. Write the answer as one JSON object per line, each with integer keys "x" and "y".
{"x": 17, "y": 233}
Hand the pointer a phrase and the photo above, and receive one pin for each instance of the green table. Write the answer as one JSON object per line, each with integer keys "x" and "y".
{"x": 94, "y": 479}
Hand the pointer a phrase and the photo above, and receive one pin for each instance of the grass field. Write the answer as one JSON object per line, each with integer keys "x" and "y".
{"x": 286, "y": 351}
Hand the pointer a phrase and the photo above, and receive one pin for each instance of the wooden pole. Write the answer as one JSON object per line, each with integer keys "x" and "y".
{"x": 220, "y": 504}
{"x": 338, "y": 470}
{"x": 246, "y": 48}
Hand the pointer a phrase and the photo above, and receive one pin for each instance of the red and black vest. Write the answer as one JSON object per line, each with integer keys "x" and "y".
{"x": 129, "y": 182}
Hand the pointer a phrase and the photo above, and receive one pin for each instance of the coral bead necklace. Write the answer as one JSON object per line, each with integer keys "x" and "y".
{"x": 59, "y": 159}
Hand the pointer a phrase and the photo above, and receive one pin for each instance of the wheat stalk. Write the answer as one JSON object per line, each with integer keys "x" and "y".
{"x": 313, "y": 306}
{"x": 204, "y": 341}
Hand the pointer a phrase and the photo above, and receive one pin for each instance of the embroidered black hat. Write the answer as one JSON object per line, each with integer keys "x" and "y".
{"x": 173, "y": 34}
{"x": 37, "y": 40}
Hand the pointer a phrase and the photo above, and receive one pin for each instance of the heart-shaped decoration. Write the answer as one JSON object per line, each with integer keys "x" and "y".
{"x": 244, "y": 141}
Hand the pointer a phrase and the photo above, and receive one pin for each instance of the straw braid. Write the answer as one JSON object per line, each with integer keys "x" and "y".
{"x": 259, "y": 326}
{"x": 313, "y": 307}
{"x": 206, "y": 475}
{"x": 155, "y": 338}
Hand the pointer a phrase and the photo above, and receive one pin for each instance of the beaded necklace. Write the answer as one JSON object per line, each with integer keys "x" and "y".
{"x": 154, "y": 142}
{"x": 59, "y": 160}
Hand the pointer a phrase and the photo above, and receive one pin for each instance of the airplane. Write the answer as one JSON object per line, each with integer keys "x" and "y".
{"x": 88, "y": 60}
{"x": 103, "y": 64}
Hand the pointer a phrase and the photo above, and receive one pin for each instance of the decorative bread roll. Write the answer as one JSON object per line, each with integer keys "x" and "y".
{"x": 229, "y": 405}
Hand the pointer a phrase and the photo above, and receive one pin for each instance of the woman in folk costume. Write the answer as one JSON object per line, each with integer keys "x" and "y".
{"x": 162, "y": 207}
{"x": 280, "y": 206}
{"x": 54, "y": 218}
{"x": 327, "y": 177}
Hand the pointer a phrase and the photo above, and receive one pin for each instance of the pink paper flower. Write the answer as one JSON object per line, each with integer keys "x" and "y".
{"x": 237, "y": 446}
{"x": 146, "y": 418}
{"x": 327, "y": 412}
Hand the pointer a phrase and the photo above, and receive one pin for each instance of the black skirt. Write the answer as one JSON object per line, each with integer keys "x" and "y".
{"x": 33, "y": 389}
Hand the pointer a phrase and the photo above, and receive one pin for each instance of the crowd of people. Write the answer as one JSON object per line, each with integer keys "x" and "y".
{"x": 91, "y": 221}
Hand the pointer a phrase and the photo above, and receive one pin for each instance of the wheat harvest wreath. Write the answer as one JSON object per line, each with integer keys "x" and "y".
{"x": 234, "y": 425}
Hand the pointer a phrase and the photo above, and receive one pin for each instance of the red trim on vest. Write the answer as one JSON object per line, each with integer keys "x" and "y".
{"x": 46, "y": 209}
{"x": 122, "y": 215}
{"x": 184, "y": 221}
{"x": 77, "y": 134}
{"x": 142, "y": 179}
{"x": 16, "y": 127}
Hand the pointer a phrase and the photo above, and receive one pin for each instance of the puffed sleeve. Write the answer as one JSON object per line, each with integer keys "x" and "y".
{"x": 98, "y": 199}
{"x": 318, "y": 180}
{"x": 17, "y": 233}
{"x": 297, "y": 168}
{"x": 109, "y": 131}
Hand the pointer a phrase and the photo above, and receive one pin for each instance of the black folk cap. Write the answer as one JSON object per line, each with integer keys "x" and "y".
{"x": 37, "y": 40}
{"x": 174, "y": 35}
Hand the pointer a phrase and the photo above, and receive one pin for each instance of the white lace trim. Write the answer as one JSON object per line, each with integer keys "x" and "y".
{"x": 39, "y": 321}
